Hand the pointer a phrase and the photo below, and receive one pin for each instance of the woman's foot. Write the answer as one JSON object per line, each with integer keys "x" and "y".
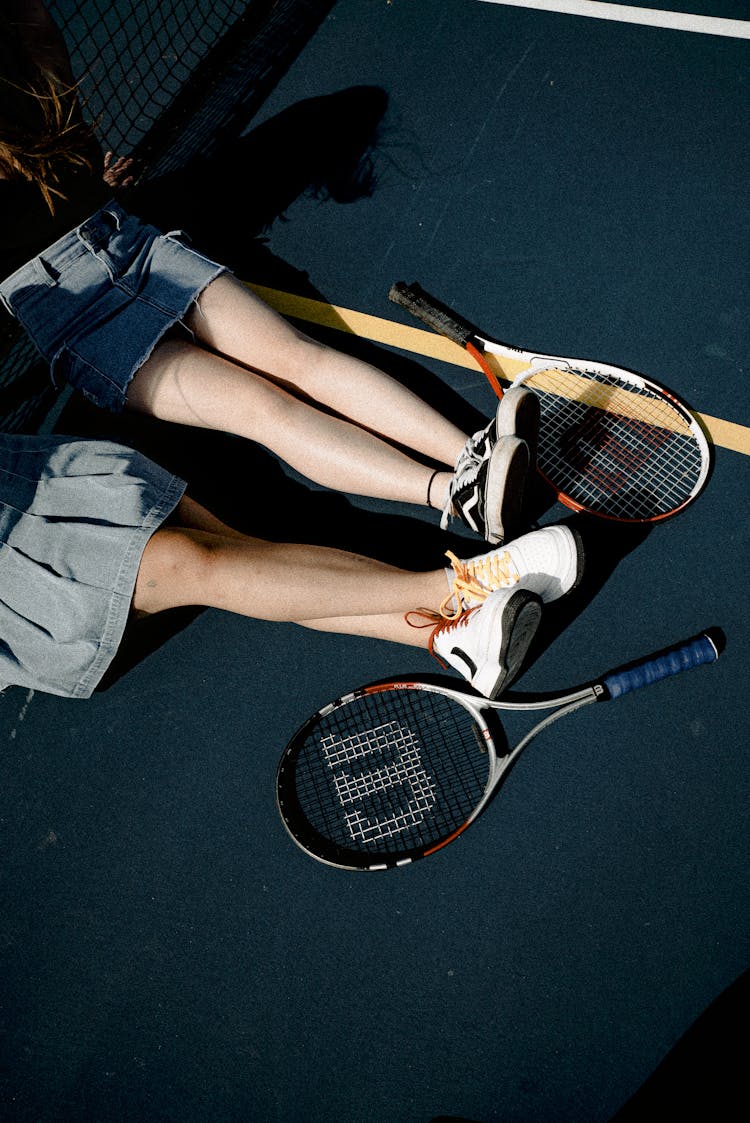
{"x": 490, "y": 617}
{"x": 487, "y": 494}
{"x": 488, "y": 644}
{"x": 487, "y": 489}
{"x": 548, "y": 562}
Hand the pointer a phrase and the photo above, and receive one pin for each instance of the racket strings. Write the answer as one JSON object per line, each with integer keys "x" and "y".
{"x": 394, "y": 760}
{"x": 621, "y": 449}
{"x": 385, "y": 774}
{"x": 607, "y": 391}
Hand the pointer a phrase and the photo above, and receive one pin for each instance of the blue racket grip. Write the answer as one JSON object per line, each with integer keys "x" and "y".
{"x": 692, "y": 653}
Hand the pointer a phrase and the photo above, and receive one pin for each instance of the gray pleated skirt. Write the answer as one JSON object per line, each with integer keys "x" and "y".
{"x": 75, "y": 517}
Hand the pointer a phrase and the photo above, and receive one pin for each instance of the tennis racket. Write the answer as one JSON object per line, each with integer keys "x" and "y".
{"x": 395, "y": 771}
{"x": 611, "y": 442}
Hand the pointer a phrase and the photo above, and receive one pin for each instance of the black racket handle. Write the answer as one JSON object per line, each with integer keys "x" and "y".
{"x": 432, "y": 312}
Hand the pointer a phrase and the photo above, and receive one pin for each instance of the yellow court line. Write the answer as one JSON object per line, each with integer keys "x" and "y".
{"x": 726, "y": 434}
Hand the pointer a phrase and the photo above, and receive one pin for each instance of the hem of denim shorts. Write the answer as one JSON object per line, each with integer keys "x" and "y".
{"x": 122, "y": 595}
{"x": 121, "y": 393}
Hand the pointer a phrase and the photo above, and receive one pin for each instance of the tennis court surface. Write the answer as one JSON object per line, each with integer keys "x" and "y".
{"x": 573, "y": 184}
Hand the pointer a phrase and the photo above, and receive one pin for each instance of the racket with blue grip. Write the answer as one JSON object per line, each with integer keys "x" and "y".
{"x": 394, "y": 771}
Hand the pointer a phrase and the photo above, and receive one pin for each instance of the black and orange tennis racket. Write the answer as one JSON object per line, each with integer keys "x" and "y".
{"x": 395, "y": 771}
{"x": 611, "y": 442}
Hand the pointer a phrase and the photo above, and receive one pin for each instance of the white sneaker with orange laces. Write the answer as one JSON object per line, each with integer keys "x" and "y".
{"x": 488, "y": 644}
{"x": 548, "y": 562}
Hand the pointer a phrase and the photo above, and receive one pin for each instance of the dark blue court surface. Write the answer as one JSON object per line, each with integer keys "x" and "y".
{"x": 575, "y": 185}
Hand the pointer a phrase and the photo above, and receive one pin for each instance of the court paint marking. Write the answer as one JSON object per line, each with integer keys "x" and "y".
{"x": 21, "y": 715}
{"x": 429, "y": 345}
{"x": 647, "y": 17}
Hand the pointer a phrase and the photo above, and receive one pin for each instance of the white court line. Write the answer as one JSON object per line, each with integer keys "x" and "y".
{"x": 623, "y": 13}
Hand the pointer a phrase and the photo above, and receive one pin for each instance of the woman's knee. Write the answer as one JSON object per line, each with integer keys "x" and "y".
{"x": 230, "y": 318}
{"x": 176, "y": 568}
{"x": 162, "y": 369}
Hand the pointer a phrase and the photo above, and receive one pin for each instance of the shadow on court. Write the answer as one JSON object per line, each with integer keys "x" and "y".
{"x": 321, "y": 146}
{"x": 702, "y": 1077}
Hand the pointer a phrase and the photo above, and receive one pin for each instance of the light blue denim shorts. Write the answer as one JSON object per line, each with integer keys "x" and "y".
{"x": 98, "y": 300}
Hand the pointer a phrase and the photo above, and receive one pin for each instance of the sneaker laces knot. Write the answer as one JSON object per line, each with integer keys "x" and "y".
{"x": 466, "y": 471}
{"x": 475, "y": 579}
{"x": 439, "y": 622}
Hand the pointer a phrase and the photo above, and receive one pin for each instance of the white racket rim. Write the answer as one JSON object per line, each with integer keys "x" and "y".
{"x": 497, "y": 766}
{"x": 536, "y": 363}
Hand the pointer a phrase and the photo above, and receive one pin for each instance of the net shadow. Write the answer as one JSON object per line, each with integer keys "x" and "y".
{"x": 162, "y": 82}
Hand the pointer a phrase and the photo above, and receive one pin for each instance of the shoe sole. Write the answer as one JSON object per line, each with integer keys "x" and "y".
{"x": 521, "y": 618}
{"x": 518, "y": 415}
{"x": 504, "y": 489}
{"x": 573, "y": 576}
{"x": 580, "y": 559}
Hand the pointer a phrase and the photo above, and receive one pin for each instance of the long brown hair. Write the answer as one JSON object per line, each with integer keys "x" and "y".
{"x": 42, "y": 128}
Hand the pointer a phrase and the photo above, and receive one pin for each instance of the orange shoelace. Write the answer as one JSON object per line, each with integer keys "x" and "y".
{"x": 439, "y": 623}
{"x": 476, "y": 579}
{"x": 473, "y": 582}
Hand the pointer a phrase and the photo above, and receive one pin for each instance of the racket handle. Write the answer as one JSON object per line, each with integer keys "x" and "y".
{"x": 692, "y": 653}
{"x": 432, "y": 313}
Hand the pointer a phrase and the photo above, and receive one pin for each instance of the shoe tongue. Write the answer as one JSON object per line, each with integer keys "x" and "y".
{"x": 472, "y": 454}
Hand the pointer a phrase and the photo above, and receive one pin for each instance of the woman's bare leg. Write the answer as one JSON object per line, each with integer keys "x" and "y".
{"x": 184, "y": 383}
{"x": 230, "y": 319}
{"x": 267, "y": 387}
{"x": 197, "y": 563}
{"x": 192, "y": 515}
{"x": 392, "y": 627}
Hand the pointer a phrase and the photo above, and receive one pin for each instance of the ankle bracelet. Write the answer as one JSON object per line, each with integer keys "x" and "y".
{"x": 429, "y": 487}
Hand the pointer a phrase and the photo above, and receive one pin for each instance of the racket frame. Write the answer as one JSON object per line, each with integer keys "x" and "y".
{"x": 701, "y": 649}
{"x": 526, "y": 364}
{"x": 329, "y": 853}
{"x": 536, "y": 363}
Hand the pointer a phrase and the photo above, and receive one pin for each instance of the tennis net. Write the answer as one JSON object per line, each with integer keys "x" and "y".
{"x": 164, "y": 81}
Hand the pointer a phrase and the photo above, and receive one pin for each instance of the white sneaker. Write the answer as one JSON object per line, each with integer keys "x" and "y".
{"x": 548, "y": 562}
{"x": 487, "y": 644}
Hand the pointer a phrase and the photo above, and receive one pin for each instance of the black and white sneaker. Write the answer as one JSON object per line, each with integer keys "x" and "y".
{"x": 487, "y": 488}
{"x": 489, "y": 643}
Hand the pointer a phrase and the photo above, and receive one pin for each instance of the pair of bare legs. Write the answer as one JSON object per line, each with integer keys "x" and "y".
{"x": 332, "y": 418}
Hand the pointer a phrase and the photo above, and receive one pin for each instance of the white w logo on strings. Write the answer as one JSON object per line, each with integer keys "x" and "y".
{"x": 403, "y": 768}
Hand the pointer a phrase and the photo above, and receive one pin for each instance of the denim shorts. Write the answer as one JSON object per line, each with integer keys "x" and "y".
{"x": 98, "y": 300}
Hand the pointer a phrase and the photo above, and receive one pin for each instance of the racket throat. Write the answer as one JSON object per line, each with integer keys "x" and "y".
{"x": 479, "y": 355}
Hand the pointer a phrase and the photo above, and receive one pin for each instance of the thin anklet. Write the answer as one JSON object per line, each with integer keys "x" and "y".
{"x": 429, "y": 487}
